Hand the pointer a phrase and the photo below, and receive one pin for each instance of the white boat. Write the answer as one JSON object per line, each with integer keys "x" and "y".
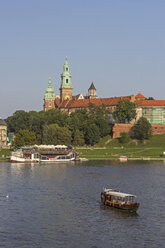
{"x": 44, "y": 153}
{"x": 123, "y": 159}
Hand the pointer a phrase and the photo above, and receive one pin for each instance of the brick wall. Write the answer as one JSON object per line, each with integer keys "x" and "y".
{"x": 128, "y": 128}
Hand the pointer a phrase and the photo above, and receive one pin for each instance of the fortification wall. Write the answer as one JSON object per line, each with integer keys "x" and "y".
{"x": 128, "y": 128}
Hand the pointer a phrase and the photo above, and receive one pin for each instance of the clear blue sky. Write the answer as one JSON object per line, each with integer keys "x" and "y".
{"x": 117, "y": 44}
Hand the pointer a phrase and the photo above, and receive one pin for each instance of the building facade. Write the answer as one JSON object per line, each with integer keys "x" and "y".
{"x": 153, "y": 110}
{"x": 3, "y": 134}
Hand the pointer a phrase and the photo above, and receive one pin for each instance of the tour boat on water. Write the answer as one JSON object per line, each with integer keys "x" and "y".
{"x": 116, "y": 199}
{"x": 44, "y": 153}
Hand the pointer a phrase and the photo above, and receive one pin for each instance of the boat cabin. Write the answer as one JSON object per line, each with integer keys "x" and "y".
{"x": 120, "y": 200}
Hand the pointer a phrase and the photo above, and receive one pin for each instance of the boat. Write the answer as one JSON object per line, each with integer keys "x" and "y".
{"x": 123, "y": 158}
{"x": 116, "y": 199}
{"x": 44, "y": 153}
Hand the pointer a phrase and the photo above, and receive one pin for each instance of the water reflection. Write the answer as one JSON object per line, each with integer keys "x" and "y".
{"x": 122, "y": 214}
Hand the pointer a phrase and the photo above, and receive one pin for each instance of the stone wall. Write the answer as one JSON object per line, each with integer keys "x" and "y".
{"x": 120, "y": 128}
{"x": 128, "y": 128}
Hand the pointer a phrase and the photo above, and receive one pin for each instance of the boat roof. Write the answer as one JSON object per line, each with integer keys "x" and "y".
{"x": 45, "y": 147}
{"x": 118, "y": 194}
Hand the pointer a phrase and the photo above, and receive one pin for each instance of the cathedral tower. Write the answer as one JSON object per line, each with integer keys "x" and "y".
{"x": 49, "y": 97}
{"x": 66, "y": 83}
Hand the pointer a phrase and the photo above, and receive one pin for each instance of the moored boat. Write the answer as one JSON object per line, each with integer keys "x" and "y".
{"x": 116, "y": 199}
{"x": 123, "y": 158}
{"x": 44, "y": 153}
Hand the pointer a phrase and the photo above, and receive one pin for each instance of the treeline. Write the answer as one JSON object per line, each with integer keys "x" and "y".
{"x": 55, "y": 127}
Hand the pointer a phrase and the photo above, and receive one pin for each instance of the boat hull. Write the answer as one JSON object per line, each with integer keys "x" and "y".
{"x": 23, "y": 160}
{"x": 126, "y": 207}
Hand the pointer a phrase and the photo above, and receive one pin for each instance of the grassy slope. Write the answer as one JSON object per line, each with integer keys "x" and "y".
{"x": 153, "y": 148}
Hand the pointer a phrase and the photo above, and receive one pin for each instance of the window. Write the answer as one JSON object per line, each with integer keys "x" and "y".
{"x": 67, "y": 81}
{"x": 66, "y": 68}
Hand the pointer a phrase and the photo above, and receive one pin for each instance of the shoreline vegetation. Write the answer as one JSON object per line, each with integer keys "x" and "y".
{"x": 112, "y": 149}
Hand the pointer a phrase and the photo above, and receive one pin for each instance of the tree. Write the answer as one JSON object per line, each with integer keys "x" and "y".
{"x": 50, "y": 133}
{"x": 55, "y": 135}
{"x": 78, "y": 120}
{"x": 55, "y": 116}
{"x": 92, "y": 135}
{"x": 124, "y": 138}
{"x": 150, "y": 98}
{"x": 99, "y": 115}
{"x": 18, "y": 121}
{"x": 24, "y": 137}
{"x": 125, "y": 111}
{"x": 142, "y": 129}
{"x": 64, "y": 136}
{"x": 78, "y": 138}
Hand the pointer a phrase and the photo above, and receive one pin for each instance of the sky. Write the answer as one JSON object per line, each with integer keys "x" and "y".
{"x": 117, "y": 44}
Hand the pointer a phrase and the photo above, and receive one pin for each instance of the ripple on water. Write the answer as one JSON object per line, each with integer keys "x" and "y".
{"x": 59, "y": 205}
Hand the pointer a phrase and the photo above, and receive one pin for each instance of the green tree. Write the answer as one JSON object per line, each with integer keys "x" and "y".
{"x": 78, "y": 120}
{"x": 64, "y": 136}
{"x": 18, "y": 121}
{"x": 35, "y": 124}
{"x": 55, "y": 135}
{"x": 124, "y": 138}
{"x": 24, "y": 137}
{"x": 78, "y": 138}
{"x": 50, "y": 134}
{"x": 99, "y": 115}
{"x": 92, "y": 135}
{"x": 150, "y": 98}
{"x": 125, "y": 111}
{"x": 142, "y": 129}
{"x": 55, "y": 116}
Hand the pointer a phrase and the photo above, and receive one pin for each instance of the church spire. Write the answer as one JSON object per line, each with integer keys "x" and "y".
{"x": 49, "y": 96}
{"x": 66, "y": 76}
{"x": 66, "y": 83}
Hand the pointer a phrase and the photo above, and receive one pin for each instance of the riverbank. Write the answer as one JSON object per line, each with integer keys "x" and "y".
{"x": 112, "y": 149}
{"x": 152, "y": 149}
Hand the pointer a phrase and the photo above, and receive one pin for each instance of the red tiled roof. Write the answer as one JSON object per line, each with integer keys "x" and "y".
{"x": 150, "y": 102}
{"x": 139, "y": 95}
{"x": 83, "y": 103}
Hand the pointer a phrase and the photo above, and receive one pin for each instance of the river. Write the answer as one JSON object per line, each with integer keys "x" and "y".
{"x": 58, "y": 205}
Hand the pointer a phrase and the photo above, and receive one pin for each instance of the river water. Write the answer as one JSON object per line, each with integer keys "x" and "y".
{"x": 58, "y": 205}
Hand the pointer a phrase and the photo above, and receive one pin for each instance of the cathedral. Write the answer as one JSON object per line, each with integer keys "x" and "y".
{"x": 153, "y": 110}
{"x": 63, "y": 101}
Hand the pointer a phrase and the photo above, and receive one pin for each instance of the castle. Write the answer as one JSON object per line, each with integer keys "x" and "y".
{"x": 153, "y": 110}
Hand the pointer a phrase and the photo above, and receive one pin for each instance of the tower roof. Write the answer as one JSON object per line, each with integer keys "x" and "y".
{"x": 139, "y": 95}
{"x": 92, "y": 87}
{"x": 49, "y": 91}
